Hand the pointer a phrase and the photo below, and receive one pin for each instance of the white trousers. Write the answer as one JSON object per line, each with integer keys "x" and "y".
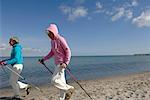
{"x": 16, "y": 85}
{"x": 59, "y": 81}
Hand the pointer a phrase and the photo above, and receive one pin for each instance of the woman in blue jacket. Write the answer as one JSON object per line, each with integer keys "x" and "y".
{"x": 16, "y": 60}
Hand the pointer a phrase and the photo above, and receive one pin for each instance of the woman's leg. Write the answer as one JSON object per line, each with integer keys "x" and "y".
{"x": 14, "y": 78}
{"x": 58, "y": 79}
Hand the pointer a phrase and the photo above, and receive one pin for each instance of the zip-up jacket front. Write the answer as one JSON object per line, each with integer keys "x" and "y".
{"x": 16, "y": 55}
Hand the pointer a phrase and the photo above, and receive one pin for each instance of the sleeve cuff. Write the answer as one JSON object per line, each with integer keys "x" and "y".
{"x": 66, "y": 63}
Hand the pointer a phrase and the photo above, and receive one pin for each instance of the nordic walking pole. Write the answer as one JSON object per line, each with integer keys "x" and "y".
{"x": 72, "y": 76}
{"x": 47, "y": 68}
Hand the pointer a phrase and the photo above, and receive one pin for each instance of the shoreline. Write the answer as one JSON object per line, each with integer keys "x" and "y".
{"x": 124, "y": 87}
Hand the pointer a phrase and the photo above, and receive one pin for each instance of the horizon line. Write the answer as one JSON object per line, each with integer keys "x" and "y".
{"x": 146, "y": 54}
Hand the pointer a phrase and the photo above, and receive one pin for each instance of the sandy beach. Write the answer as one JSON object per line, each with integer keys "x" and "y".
{"x": 127, "y": 87}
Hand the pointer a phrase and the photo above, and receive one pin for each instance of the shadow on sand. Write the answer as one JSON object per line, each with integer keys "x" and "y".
{"x": 9, "y": 98}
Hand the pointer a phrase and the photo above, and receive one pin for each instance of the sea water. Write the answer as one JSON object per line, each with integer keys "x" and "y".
{"x": 82, "y": 67}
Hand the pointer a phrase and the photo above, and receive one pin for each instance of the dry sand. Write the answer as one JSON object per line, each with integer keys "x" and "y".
{"x": 127, "y": 87}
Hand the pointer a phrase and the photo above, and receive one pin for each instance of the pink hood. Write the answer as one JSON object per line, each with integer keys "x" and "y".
{"x": 53, "y": 28}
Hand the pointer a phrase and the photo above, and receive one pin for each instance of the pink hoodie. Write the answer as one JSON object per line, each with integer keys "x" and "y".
{"x": 59, "y": 47}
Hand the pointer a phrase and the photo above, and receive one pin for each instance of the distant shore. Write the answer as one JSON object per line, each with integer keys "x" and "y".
{"x": 128, "y": 87}
{"x": 141, "y": 54}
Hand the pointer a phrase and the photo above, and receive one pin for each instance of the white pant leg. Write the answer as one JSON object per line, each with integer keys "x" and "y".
{"x": 58, "y": 79}
{"x": 14, "y": 79}
{"x": 63, "y": 92}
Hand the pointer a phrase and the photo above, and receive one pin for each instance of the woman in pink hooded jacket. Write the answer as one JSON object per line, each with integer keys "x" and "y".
{"x": 62, "y": 54}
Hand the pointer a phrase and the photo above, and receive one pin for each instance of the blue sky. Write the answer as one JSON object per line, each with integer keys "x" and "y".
{"x": 91, "y": 27}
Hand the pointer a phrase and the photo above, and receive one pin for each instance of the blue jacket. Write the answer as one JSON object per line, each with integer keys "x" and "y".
{"x": 16, "y": 55}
